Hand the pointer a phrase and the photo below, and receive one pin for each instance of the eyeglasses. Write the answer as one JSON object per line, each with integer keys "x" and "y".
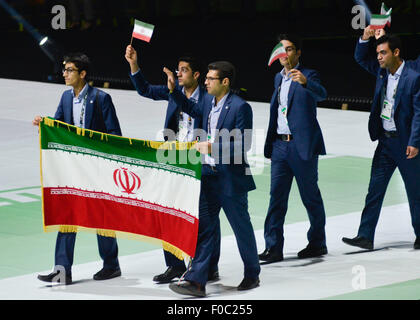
{"x": 211, "y": 78}
{"x": 69, "y": 70}
{"x": 182, "y": 70}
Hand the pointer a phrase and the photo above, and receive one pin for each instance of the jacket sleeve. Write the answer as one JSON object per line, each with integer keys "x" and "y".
{"x": 110, "y": 116}
{"x": 145, "y": 89}
{"x": 364, "y": 59}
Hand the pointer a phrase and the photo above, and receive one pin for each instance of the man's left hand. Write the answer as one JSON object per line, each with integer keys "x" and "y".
{"x": 412, "y": 152}
{"x": 298, "y": 76}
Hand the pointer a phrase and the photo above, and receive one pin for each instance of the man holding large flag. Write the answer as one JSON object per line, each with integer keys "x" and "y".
{"x": 90, "y": 108}
{"x": 178, "y": 126}
{"x": 293, "y": 143}
{"x": 225, "y": 180}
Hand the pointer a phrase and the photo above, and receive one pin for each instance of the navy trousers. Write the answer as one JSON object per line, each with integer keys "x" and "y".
{"x": 286, "y": 164}
{"x": 172, "y": 261}
{"x": 389, "y": 155}
{"x": 212, "y": 199}
{"x": 64, "y": 251}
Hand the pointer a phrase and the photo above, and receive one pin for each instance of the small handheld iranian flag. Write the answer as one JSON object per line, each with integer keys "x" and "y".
{"x": 142, "y": 30}
{"x": 277, "y": 53}
{"x": 379, "y": 21}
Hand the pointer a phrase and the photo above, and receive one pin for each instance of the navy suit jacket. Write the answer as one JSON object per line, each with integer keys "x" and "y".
{"x": 107, "y": 122}
{"x": 407, "y": 99}
{"x": 235, "y": 114}
{"x": 301, "y": 115}
{"x": 161, "y": 92}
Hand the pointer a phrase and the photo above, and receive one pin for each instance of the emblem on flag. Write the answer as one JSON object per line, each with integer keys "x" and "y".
{"x": 142, "y": 30}
{"x": 127, "y": 181}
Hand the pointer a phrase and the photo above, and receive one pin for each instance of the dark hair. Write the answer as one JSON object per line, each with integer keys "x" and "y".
{"x": 293, "y": 38}
{"x": 225, "y": 70}
{"x": 194, "y": 63}
{"x": 394, "y": 42}
{"x": 80, "y": 60}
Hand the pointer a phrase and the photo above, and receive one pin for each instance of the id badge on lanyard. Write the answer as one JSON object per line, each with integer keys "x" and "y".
{"x": 283, "y": 108}
{"x": 387, "y": 106}
{"x": 82, "y": 111}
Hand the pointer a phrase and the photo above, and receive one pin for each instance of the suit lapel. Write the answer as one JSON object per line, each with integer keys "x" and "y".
{"x": 292, "y": 90}
{"x": 224, "y": 111}
{"x": 68, "y": 104}
{"x": 90, "y": 103}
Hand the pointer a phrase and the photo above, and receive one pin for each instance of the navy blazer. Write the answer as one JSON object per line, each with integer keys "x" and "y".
{"x": 107, "y": 122}
{"x": 235, "y": 114}
{"x": 161, "y": 92}
{"x": 407, "y": 99}
{"x": 301, "y": 115}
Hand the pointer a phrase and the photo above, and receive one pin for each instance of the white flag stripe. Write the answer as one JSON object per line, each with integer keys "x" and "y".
{"x": 64, "y": 169}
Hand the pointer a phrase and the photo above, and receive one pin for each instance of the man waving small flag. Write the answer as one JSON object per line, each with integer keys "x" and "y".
{"x": 142, "y": 30}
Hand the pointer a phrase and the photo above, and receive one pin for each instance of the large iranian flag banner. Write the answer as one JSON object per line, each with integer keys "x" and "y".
{"x": 117, "y": 187}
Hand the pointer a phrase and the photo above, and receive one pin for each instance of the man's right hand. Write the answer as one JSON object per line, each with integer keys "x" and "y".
{"x": 368, "y": 33}
{"x": 379, "y": 33}
{"x": 131, "y": 57}
{"x": 36, "y": 120}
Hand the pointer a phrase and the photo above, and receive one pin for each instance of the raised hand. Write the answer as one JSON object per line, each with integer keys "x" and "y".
{"x": 411, "y": 152}
{"x": 36, "y": 120}
{"x": 297, "y": 76}
{"x": 379, "y": 33}
{"x": 171, "y": 78}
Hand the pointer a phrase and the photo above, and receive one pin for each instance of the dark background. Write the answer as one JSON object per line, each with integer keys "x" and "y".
{"x": 241, "y": 31}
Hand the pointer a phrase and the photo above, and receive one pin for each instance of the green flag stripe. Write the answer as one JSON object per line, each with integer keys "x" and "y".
{"x": 64, "y": 137}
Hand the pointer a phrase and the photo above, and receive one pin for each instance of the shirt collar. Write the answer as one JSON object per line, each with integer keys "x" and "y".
{"x": 397, "y": 73}
{"x": 283, "y": 71}
{"x": 81, "y": 94}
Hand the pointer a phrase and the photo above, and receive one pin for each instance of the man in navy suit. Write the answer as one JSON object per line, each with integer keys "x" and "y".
{"x": 90, "y": 108}
{"x": 395, "y": 122}
{"x": 179, "y": 126}
{"x": 226, "y": 179}
{"x": 294, "y": 142}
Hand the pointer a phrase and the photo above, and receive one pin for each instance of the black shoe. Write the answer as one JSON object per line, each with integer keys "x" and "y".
{"x": 105, "y": 274}
{"x": 55, "y": 277}
{"x": 248, "y": 283}
{"x": 417, "y": 244}
{"x": 360, "y": 242}
{"x": 213, "y": 276}
{"x": 170, "y": 274}
{"x": 270, "y": 256}
{"x": 188, "y": 288}
{"x": 312, "y": 252}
